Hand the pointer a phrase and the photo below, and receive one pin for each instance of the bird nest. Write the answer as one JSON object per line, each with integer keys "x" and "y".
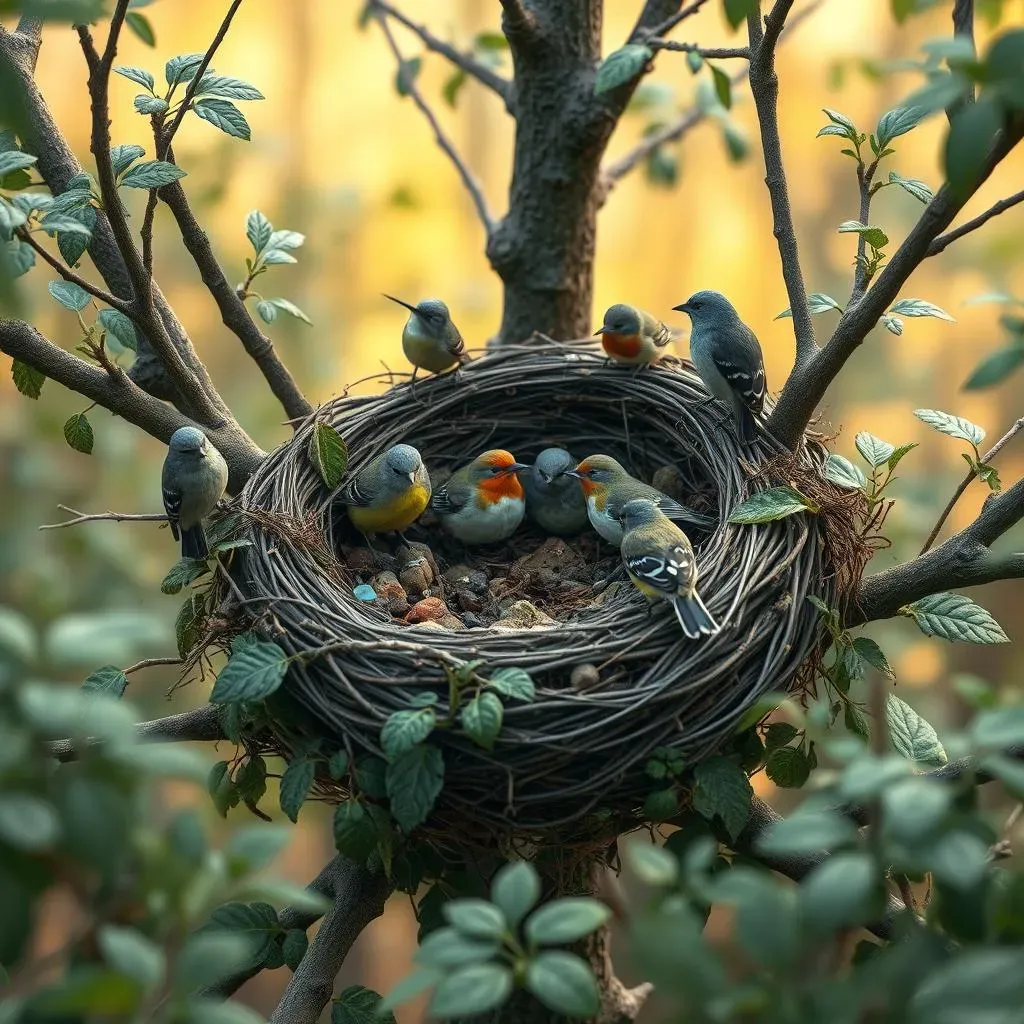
{"x": 614, "y": 681}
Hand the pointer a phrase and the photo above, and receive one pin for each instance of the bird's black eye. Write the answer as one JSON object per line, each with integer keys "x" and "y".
{"x": 696, "y": 305}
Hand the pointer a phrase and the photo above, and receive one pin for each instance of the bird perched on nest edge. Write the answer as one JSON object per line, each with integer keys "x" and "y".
{"x": 728, "y": 358}
{"x": 482, "y": 503}
{"x": 633, "y": 336}
{"x": 554, "y": 498}
{"x": 430, "y": 340}
{"x": 193, "y": 481}
{"x": 607, "y": 487}
{"x": 390, "y": 493}
{"x": 659, "y": 560}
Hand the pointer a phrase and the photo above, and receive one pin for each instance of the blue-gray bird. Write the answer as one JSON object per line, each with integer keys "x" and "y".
{"x": 430, "y": 340}
{"x": 728, "y": 357}
{"x": 554, "y": 498}
{"x": 193, "y": 481}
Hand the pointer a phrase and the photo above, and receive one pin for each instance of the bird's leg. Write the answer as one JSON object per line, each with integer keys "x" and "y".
{"x": 373, "y": 550}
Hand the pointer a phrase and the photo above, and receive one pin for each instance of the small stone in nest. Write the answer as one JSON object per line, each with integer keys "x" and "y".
{"x": 468, "y": 601}
{"x": 472, "y": 620}
{"x": 430, "y": 609}
{"x": 477, "y": 582}
{"x": 457, "y": 574}
{"x": 584, "y": 677}
{"x": 391, "y": 593}
{"x": 360, "y": 560}
{"x": 409, "y": 553}
{"x": 554, "y": 558}
{"x": 670, "y": 481}
{"x": 416, "y": 570}
{"x": 523, "y": 615}
{"x": 452, "y": 622}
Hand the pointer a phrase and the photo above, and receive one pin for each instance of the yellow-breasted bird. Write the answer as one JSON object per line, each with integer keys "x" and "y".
{"x": 659, "y": 560}
{"x": 430, "y": 340}
{"x": 607, "y": 487}
{"x": 632, "y": 336}
{"x": 390, "y": 493}
{"x": 482, "y": 503}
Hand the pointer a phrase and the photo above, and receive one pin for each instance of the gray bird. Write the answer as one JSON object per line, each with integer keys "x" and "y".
{"x": 554, "y": 498}
{"x": 430, "y": 340}
{"x": 728, "y": 357}
{"x": 193, "y": 481}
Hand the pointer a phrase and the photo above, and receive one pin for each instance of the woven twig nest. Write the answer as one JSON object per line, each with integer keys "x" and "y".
{"x": 570, "y": 752}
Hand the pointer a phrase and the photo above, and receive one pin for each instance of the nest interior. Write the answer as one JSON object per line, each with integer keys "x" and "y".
{"x": 574, "y": 751}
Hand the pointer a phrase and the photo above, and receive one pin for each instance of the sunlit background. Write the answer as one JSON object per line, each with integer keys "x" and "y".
{"x": 339, "y": 156}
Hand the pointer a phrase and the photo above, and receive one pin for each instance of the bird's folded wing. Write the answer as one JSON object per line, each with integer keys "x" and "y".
{"x": 358, "y": 492}
{"x": 662, "y": 336}
{"x": 172, "y": 506}
{"x": 456, "y": 345}
{"x": 743, "y": 368}
{"x": 449, "y": 498}
{"x": 674, "y": 510}
{"x": 666, "y": 571}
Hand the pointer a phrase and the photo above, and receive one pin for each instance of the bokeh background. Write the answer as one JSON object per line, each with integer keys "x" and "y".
{"x": 338, "y": 155}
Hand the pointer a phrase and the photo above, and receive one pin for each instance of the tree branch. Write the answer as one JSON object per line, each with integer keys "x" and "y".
{"x": 712, "y": 53}
{"x": 116, "y": 517}
{"x": 359, "y": 898}
{"x": 118, "y": 393}
{"x": 69, "y": 275}
{"x": 517, "y": 19}
{"x": 764, "y": 87}
{"x": 472, "y": 186}
{"x": 943, "y": 241}
{"x": 466, "y": 61}
{"x": 670, "y": 22}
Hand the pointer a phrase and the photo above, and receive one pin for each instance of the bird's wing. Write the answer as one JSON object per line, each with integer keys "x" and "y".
{"x": 657, "y": 331}
{"x": 451, "y": 496}
{"x": 674, "y": 510}
{"x": 361, "y": 491}
{"x": 668, "y": 571}
{"x": 172, "y": 505}
{"x": 742, "y": 365}
{"x": 456, "y": 345}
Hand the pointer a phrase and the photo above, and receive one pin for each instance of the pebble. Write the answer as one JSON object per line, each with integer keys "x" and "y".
{"x": 584, "y": 677}
{"x": 523, "y": 615}
{"x": 430, "y": 609}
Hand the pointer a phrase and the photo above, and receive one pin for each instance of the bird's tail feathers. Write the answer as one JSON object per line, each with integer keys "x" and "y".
{"x": 694, "y": 619}
{"x": 193, "y": 542}
{"x": 747, "y": 424}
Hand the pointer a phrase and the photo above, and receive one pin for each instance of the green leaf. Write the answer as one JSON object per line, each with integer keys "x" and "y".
{"x": 653, "y": 865}
{"x": 842, "y": 121}
{"x": 957, "y": 618}
{"x": 355, "y": 834}
{"x": 252, "y": 849}
{"x": 493, "y": 41}
{"x": 10, "y": 218}
{"x": 736, "y": 11}
{"x": 767, "y": 506}
{"x": 182, "y": 68}
{"x": 152, "y": 174}
{"x": 258, "y": 230}
{"x": 122, "y": 157}
{"x": 140, "y": 25}
{"x": 446, "y": 947}
{"x": 251, "y": 779}
{"x": 971, "y": 132}
{"x": 296, "y": 783}
{"x": 16, "y": 258}
{"x": 404, "y": 729}
{"x": 833, "y": 129}
{"x": 564, "y": 983}
{"x": 78, "y": 433}
{"x": 371, "y": 776}
{"x": 468, "y": 991}
{"x": 807, "y": 832}
{"x": 983, "y": 984}
{"x": 723, "y": 87}
{"x": 516, "y": 890}
{"x": 27, "y": 822}
{"x": 337, "y": 765}
{"x": 662, "y": 167}
{"x": 918, "y": 307}
{"x": 27, "y": 379}
{"x": 14, "y": 160}
{"x": 116, "y": 324}
{"x": 778, "y": 734}
{"x": 360, "y": 1005}
{"x": 871, "y": 653}
{"x": 874, "y": 236}
{"x": 414, "y": 781}
{"x": 722, "y": 790}
{"x": 223, "y": 114}
{"x": 481, "y": 719}
{"x": 285, "y": 239}
{"x": 149, "y": 104}
{"x": 912, "y": 736}
{"x": 913, "y": 808}
{"x": 844, "y": 891}
{"x": 289, "y": 307}
{"x": 267, "y": 311}
{"x": 453, "y": 86}
{"x": 328, "y": 453}
{"x": 182, "y": 573}
{"x": 222, "y": 789}
{"x": 274, "y": 257}
{"x": 87, "y": 993}
{"x": 873, "y": 450}
{"x": 408, "y": 988}
{"x": 621, "y": 67}
{"x": 999, "y": 729}
{"x": 109, "y": 679}
{"x": 788, "y": 767}
{"x": 568, "y": 919}
{"x": 918, "y": 189}
{"x": 130, "y": 953}
{"x": 897, "y": 456}
{"x": 69, "y": 295}
{"x": 896, "y": 122}
{"x": 843, "y": 473}
{"x": 959, "y": 860}
{"x": 187, "y": 623}
{"x": 227, "y": 88}
{"x": 893, "y": 324}
{"x": 817, "y": 302}
{"x": 736, "y": 143}
{"x": 514, "y": 683}
{"x": 209, "y": 956}
{"x": 475, "y": 917}
{"x": 661, "y": 804}
{"x": 694, "y": 61}
{"x": 406, "y": 75}
{"x": 294, "y": 947}
{"x": 253, "y": 673}
{"x": 995, "y": 368}
{"x": 954, "y": 426}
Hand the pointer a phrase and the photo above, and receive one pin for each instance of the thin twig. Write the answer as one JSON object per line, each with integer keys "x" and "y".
{"x": 861, "y": 280}
{"x": 466, "y": 61}
{"x": 151, "y": 663}
{"x": 681, "y": 15}
{"x": 994, "y": 210}
{"x": 963, "y": 28}
{"x": 708, "y": 53}
{"x": 468, "y": 180}
{"x": 517, "y": 18}
{"x": 965, "y": 483}
{"x": 117, "y": 517}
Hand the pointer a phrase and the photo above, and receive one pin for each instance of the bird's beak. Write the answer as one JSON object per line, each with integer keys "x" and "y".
{"x": 573, "y": 472}
{"x": 601, "y": 330}
{"x": 517, "y": 467}
{"x": 412, "y": 477}
{"x": 682, "y": 307}
{"x": 401, "y": 302}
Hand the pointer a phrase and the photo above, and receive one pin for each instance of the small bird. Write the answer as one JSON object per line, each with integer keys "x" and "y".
{"x": 482, "y": 503}
{"x": 607, "y": 487}
{"x": 632, "y": 336}
{"x": 659, "y": 560}
{"x": 728, "y": 357}
{"x": 193, "y": 481}
{"x": 430, "y": 340}
{"x": 390, "y": 493}
{"x": 554, "y": 498}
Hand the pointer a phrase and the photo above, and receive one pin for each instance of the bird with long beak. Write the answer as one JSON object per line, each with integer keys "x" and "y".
{"x": 430, "y": 340}
{"x": 388, "y": 494}
{"x": 554, "y": 498}
{"x": 482, "y": 503}
{"x": 607, "y": 487}
{"x": 632, "y": 336}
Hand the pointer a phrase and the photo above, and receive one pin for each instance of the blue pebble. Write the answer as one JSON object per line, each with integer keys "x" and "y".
{"x": 364, "y": 592}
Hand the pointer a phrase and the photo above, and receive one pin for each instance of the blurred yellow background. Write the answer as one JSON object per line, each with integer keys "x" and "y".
{"x": 338, "y": 155}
